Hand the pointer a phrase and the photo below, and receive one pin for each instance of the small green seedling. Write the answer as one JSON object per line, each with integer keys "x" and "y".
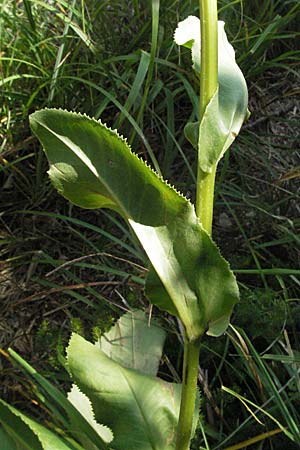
{"x": 117, "y": 401}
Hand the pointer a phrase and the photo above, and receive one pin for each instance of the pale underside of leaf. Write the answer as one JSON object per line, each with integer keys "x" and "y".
{"x": 228, "y": 109}
{"x": 135, "y": 343}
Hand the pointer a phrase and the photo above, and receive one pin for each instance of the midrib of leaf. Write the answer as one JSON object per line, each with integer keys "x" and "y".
{"x": 133, "y": 348}
{"x": 140, "y": 409}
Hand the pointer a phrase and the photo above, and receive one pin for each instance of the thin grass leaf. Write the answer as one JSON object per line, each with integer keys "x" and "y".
{"x": 30, "y": 435}
{"x": 60, "y": 54}
{"x": 56, "y": 400}
{"x": 89, "y": 226}
{"x": 136, "y": 86}
{"x": 251, "y": 441}
{"x": 245, "y": 401}
{"x": 154, "y": 41}
{"x": 293, "y": 429}
{"x": 28, "y": 9}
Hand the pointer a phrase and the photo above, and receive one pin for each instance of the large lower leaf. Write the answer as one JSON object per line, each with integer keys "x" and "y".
{"x": 94, "y": 167}
{"x": 134, "y": 343}
{"x": 141, "y": 410}
{"x": 228, "y": 108}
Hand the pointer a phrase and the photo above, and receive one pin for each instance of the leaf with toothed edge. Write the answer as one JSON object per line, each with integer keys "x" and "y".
{"x": 84, "y": 406}
{"x": 141, "y": 410}
{"x": 93, "y": 167}
{"x": 228, "y": 108}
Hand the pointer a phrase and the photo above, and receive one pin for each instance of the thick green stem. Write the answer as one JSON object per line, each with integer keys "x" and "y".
{"x": 205, "y": 197}
{"x": 188, "y": 396}
{"x": 204, "y": 209}
{"x": 208, "y": 87}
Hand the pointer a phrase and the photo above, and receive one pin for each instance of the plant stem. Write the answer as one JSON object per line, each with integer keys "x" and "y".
{"x": 208, "y": 87}
{"x": 188, "y": 395}
{"x": 204, "y": 210}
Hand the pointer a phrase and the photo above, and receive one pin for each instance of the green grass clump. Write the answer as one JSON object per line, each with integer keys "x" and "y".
{"x": 63, "y": 268}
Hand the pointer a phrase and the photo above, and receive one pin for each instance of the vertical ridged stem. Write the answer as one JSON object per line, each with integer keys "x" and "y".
{"x": 204, "y": 210}
{"x": 208, "y": 87}
{"x": 188, "y": 396}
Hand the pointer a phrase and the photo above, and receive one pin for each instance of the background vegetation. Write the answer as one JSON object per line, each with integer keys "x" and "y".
{"x": 65, "y": 269}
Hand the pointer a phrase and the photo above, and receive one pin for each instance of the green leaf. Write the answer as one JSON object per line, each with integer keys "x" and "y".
{"x": 29, "y": 434}
{"x": 228, "y": 109}
{"x": 134, "y": 343}
{"x": 215, "y": 285}
{"x": 83, "y": 405}
{"x": 94, "y": 167}
{"x": 7, "y": 443}
{"x": 141, "y": 410}
{"x": 156, "y": 292}
{"x": 19, "y": 431}
{"x": 71, "y": 420}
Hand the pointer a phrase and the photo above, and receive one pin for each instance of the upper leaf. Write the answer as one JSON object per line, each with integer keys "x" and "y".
{"x": 94, "y": 167}
{"x": 228, "y": 109}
